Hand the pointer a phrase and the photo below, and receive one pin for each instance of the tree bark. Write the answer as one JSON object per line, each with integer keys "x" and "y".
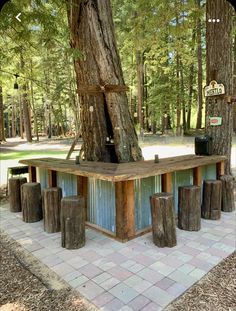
{"x": 15, "y": 193}
{"x": 140, "y": 86}
{"x": 234, "y": 83}
{"x": 211, "y": 199}
{"x": 163, "y": 220}
{"x": 199, "y": 72}
{"x": 2, "y": 133}
{"x": 31, "y": 202}
{"x": 228, "y": 204}
{"x": 72, "y": 222}
{"x": 104, "y": 116}
{"x": 51, "y": 209}
{"x": 189, "y": 208}
{"x": 219, "y": 68}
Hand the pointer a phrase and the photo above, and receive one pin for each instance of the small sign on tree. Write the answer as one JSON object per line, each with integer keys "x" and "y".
{"x": 214, "y": 89}
{"x": 215, "y": 121}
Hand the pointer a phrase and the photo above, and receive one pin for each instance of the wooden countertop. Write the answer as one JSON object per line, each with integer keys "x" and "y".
{"x": 124, "y": 171}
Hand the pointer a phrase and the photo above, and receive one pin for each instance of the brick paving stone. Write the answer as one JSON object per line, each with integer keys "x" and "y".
{"x": 126, "y": 308}
{"x": 90, "y": 271}
{"x": 186, "y": 268}
{"x": 214, "y": 260}
{"x": 127, "y": 263}
{"x": 123, "y": 292}
{"x": 176, "y": 289}
{"x": 197, "y": 273}
{"x": 158, "y": 296}
{"x": 201, "y": 264}
{"x": 90, "y": 290}
{"x": 113, "y": 305}
{"x": 133, "y": 280}
{"x": 152, "y": 307}
{"x": 71, "y": 276}
{"x": 41, "y": 253}
{"x": 108, "y": 284}
{"x": 203, "y": 256}
{"x": 135, "y": 268}
{"x": 77, "y": 263}
{"x": 51, "y": 260}
{"x": 62, "y": 269}
{"x": 101, "y": 277}
{"x": 102, "y": 299}
{"x": 90, "y": 255}
{"x": 189, "y": 250}
{"x": 142, "y": 286}
{"x": 164, "y": 283}
{"x": 120, "y": 273}
{"x": 217, "y": 252}
{"x": 117, "y": 258}
{"x": 172, "y": 261}
{"x": 181, "y": 256}
{"x": 138, "y": 303}
{"x": 182, "y": 278}
{"x": 150, "y": 275}
{"x": 78, "y": 281}
{"x": 144, "y": 260}
{"x": 162, "y": 268}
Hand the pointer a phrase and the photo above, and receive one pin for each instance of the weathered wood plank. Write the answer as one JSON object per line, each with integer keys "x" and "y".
{"x": 52, "y": 178}
{"x": 82, "y": 189}
{"x": 125, "y": 171}
{"x": 125, "y": 217}
{"x": 32, "y": 173}
{"x": 197, "y": 176}
{"x": 220, "y": 169}
{"x": 166, "y": 182}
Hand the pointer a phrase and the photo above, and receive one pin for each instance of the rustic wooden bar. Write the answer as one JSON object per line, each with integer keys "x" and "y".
{"x": 117, "y": 195}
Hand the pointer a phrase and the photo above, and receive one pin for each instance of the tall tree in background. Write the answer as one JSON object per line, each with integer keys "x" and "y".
{"x": 219, "y": 68}
{"x": 103, "y": 115}
{"x": 2, "y": 135}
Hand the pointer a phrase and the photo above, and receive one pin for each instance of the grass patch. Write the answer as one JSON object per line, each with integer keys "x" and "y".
{"x": 16, "y": 155}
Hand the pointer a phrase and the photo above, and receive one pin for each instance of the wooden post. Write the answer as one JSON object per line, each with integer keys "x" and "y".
{"x": 32, "y": 174}
{"x": 227, "y": 204}
{"x": 166, "y": 182}
{"x": 72, "y": 222}
{"x": 82, "y": 189}
{"x": 52, "y": 178}
{"x": 163, "y": 219}
{"x": 51, "y": 209}
{"x": 15, "y": 193}
{"x": 197, "y": 176}
{"x": 189, "y": 208}
{"x": 31, "y": 202}
{"x": 220, "y": 169}
{"x": 125, "y": 213}
{"x": 211, "y": 201}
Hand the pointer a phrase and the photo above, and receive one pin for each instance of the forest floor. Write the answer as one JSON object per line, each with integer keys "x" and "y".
{"x": 23, "y": 289}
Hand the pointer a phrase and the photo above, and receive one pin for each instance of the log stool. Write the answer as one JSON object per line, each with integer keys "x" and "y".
{"x": 72, "y": 222}
{"x": 211, "y": 200}
{"x": 227, "y": 204}
{"x": 189, "y": 208}
{"x": 51, "y": 209}
{"x": 31, "y": 202}
{"x": 14, "y": 185}
{"x": 163, "y": 219}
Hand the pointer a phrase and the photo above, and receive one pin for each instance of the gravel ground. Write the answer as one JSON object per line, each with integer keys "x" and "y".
{"x": 23, "y": 287}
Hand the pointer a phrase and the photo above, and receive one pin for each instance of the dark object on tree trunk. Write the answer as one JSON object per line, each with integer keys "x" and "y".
{"x": 227, "y": 204}
{"x": 189, "y": 208}
{"x": 51, "y": 209}
{"x": 163, "y": 219}
{"x": 203, "y": 145}
{"x": 31, "y": 202}
{"x": 72, "y": 222}
{"x": 211, "y": 201}
{"x": 15, "y": 193}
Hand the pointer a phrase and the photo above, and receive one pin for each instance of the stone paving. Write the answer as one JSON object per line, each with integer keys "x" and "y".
{"x": 135, "y": 275}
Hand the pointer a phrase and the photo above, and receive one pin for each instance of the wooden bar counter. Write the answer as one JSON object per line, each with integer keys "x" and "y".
{"x": 117, "y": 195}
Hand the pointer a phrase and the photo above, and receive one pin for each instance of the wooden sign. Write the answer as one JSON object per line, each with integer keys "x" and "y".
{"x": 215, "y": 121}
{"x": 214, "y": 89}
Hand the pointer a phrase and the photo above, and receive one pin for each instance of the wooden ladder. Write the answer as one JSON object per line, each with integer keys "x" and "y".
{"x": 72, "y": 148}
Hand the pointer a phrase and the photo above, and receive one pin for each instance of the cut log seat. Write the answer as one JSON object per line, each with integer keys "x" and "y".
{"x": 72, "y": 222}
{"x": 189, "y": 208}
{"x": 31, "y": 202}
{"x": 227, "y": 204}
{"x": 15, "y": 184}
{"x": 163, "y": 219}
{"x": 51, "y": 209}
{"x": 211, "y": 201}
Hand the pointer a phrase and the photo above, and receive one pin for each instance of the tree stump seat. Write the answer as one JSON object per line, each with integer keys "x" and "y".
{"x": 163, "y": 219}
{"x": 211, "y": 200}
{"x": 51, "y": 209}
{"x": 14, "y": 185}
{"x": 227, "y": 204}
{"x": 189, "y": 208}
{"x": 72, "y": 222}
{"x": 31, "y": 202}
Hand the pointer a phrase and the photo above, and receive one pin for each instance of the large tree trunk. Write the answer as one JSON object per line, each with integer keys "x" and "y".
{"x": 105, "y": 115}
{"x": 140, "y": 86}
{"x": 199, "y": 72}
{"x": 219, "y": 68}
{"x": 234, "y": 84}
{"x": 178, "y": 105}
{"x": 2, "y": 134}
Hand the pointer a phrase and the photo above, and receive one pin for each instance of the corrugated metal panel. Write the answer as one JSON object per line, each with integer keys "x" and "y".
{"x": 101, "y": 203}
{"x": 181, "y": 178}
{"x": 68, "y": 183}
{"x": 209, "y": 172}
{"x": 42, "y": 177}
{"x": 144, "y": 188}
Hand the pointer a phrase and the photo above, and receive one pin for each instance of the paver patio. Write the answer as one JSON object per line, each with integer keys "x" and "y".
{"x": 135, "y": 275}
